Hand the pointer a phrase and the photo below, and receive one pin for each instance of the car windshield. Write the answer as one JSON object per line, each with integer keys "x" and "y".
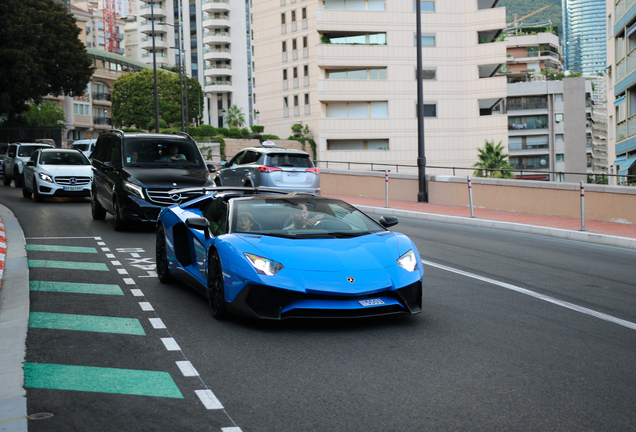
{"x": 169, "y": 153}
{"x": 299, "y": 217}
{"x": 289, "y": 160}
{"x": 63, "y": 157}
{"x": 27, "y": 151}
{"x": 82, "y": 147}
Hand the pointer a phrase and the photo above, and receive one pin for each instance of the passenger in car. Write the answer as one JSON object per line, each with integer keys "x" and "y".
{"x": 173, "y": 154}
{"x": 244, "y": 222}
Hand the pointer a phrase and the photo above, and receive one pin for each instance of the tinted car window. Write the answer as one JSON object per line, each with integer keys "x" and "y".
{"x": 289, "y": 160}
{"x": 63, "y": 158}
{"x": 158, "y": 153}
{"x": 103, "y": 149}
{"x": 250, "y": 157}
{"x": 27, "y": 151}
{"x": 3, "y": 150}
{"x": 216, "y": 214}
{"x": 236, "y": 159}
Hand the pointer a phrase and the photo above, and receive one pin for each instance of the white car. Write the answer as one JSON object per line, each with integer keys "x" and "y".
{"x": 57, "y": 173}
{"x": 86, "y": 146}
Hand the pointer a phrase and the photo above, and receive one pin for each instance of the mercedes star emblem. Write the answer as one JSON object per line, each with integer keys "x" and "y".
{"x": 175, "y": 197}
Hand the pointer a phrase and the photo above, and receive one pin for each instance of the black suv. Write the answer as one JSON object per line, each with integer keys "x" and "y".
{"x": 133, "y": 174}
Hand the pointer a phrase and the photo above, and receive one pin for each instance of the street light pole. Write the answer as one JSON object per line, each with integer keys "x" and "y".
{"x": 154, "y": 65}
{"x": 422, "y": 195}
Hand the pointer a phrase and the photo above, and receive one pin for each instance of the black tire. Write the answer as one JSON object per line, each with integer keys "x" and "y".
{"x": 216, "y": 287}
{"x": 36, "y": 195}
{"x": 217, "y": 181}
{"x": 161, "y": 255}
{"x": 97, "y": 211}
{"x": 25, "y": 192}
{"x": 5, "y": 179}
{"x": 118, "y": 221}
{"x": 17, "y": 179}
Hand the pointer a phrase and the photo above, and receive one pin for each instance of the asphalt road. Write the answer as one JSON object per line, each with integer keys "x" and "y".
{"x": 519, "y": 332}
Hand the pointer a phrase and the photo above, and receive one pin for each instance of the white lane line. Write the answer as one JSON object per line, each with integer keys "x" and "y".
{"x": 135, "y": 255}
{"x": 208, "y": 399}
{"x": 100, "y": 243}
{"x": 231, "y": 429}
{"x": 115, "y": 263}
{"x": 146, "y": 306}
{"x": 187, "y": 369}
{"x": 568, "y": 305}
{"x": 122, "y": 271}
{"x": 157, "y": 323}
{"x": 137, "y": 292}
{"x": 171, "y": 344}
{"x": 110, "y": 256}
{"x": 129, "y": 281}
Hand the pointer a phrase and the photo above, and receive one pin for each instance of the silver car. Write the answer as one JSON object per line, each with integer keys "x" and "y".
{"x": 273, "y": 167}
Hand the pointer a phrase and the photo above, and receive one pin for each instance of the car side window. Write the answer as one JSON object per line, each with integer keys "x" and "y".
{"x": 250, "y": 157}
{"x": 34, "y": 157}
{"x": 217, "y": 214}
{"x": 236, "y": 160}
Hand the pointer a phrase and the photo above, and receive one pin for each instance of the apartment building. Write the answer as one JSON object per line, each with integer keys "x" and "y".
{"x": 584, "y": 35}
{"x": 217, "y": 48}
{"x": 621, "y": 95}
{"x": 93, "y": 29}
{"x": 347, "y": 70}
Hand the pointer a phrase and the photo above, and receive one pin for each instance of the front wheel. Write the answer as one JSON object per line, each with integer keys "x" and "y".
{"x": 25, "y": 192}
{"x": 216, "y": 287}
{"x": 5, "y": 179}
{"x": 37, "y": 197}
{"x": 161, "y": 257}
{"x": 118, "y": 220}
{"x": 17, "y": 178}
{"x": 97, "y": 211}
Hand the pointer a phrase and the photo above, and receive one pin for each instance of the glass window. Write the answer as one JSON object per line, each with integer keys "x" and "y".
{"x": 357, "y": 74}
{"x": 560, "y": 157}
{"x": 282, "y": 18}
{"x": 334, "y": 4}
{"x": 430, "y": 110}
{"x": 376, "y": 5}
{"x": 337, "y": 74}
{"x": 337, "y": 110}
{"x": 558, "y": 118}
{"x": 356, "y": 5}
{"x": 379, "y": 109}
{"x": 425, "y": 6}
{"x": 427, "y": 41}
{"x": 358, "y": 110}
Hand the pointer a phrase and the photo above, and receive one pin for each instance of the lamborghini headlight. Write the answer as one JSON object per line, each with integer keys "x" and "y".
{"x": 264, "y": 266}
{"x": 408, "y": 261}
{"x": 134, "y": 189}
{"x": 46, "y": 177}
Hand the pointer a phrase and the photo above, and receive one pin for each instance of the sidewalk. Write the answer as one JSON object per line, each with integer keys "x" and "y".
{"x": 607, "y": 233}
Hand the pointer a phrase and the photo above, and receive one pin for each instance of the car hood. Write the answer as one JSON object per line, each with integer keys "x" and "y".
{"x": 167, "y": 177}
{"x": 67, "y": 170}
{"x": 369, "y": 252}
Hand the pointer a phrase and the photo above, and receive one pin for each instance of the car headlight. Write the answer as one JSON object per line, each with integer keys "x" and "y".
{"x": 46, "y": 177}
{"x": 264, "y": 266}
{"x": 134, "y": 189}
{"x": 408, "y": 261}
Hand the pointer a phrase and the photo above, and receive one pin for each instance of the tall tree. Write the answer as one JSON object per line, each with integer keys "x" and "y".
{"x": 235, "y": 116}
{"x": 40, "y": 54}
{"x": 492, "y": 157}
{"x": 46, "y": 114}
{"x": 133, "y": 104}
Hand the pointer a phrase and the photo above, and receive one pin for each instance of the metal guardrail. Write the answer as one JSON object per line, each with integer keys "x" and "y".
{"x": 375, "y": 166}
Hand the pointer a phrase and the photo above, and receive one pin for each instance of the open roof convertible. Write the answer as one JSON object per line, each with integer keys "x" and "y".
{"x": 274, "y": 255}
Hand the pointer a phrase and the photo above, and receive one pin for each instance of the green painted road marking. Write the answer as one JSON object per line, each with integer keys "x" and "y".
{"x": 85, "y": 323}
{"x": 54, "y": 248}
{"x": 79, "y": 288}
{"x": 69, "y": 265}
{"x": 101, "y": 380}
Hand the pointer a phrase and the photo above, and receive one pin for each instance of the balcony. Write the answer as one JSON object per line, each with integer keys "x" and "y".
{"x": 102, "y": 121}
{"x": 214, "y": 71}
{"x": 210, "y": 22}
{"x": 146, "y": 11}
{"x": 146, "y": 27}
{"x": 215, "y": 6}
{"x": 100, "y": 97}
{"x": 160, "y": 43}
{"x": 216, "y": 37}
{"x": 218, "y": 86}
{"x": 213, "y": 54}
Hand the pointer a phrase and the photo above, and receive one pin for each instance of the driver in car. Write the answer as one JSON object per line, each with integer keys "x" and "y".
{"x": 300, "y": 219}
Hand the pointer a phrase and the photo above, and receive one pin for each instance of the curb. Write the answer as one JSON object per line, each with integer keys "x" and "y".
{"x": 606, "y": 240}
{"x": 14, "y": 320}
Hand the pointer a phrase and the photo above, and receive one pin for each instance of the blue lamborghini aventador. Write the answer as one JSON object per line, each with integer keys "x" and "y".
{"x": 274, "y": 255}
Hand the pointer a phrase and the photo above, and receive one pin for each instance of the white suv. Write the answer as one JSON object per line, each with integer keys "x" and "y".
{"x": 16, "y": 158}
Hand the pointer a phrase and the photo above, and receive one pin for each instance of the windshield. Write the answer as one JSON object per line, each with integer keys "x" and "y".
{"x": 82, "y": 147}
{"x": 157, "y": 152}
{"x": 27, "y": 151}
{"x": 299, "y": 217}
{"x": 63, "y": 158}
{"x": 289, "y": 160}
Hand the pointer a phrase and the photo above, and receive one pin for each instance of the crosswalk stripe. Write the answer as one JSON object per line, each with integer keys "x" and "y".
{"x": 78, "y": 288}
{"x": 100, "y": 380}
{"x": 90, "y": 323}
{"x": 68, "y": 265}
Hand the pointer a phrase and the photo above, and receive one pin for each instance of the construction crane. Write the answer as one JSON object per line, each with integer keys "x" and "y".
{"x": 523, "y": 17}
{"x": 110, "y": 27}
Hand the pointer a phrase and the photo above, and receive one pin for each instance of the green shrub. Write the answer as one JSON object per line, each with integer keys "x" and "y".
{"x": 257, "y": 129}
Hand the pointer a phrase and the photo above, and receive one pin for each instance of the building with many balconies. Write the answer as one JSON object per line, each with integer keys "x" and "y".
{"x": 347, "y": 70}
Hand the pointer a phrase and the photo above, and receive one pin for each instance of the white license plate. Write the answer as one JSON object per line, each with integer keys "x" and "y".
{"x": 293, "y": 174}
{"x": 72, "y": 188}
{"x": 371, "y": 302}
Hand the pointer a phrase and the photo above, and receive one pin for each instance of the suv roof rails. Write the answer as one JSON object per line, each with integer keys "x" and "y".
{"x": 179, "y": 133}
{"x": 119, "y": 131}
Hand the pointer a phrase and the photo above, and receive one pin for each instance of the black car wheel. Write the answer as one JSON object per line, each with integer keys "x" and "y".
{"x": 25, "y": 192}
{"x": 217, "y": 181}
{"x": 5, "y": 179}
{"x": 216, "y": 287}
{"x": 97, "y": 211}
{"x": 16, "y": 178}
{"x": 36, "y": 195}
{"x": 118, "y": 220}
{"x": 162, "y": 255}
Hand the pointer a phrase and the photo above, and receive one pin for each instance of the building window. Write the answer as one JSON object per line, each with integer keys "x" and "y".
{"x": 558, "y": 118}
{"x": 293, "y": 16}
{"x": 306, "y": 98}
{"x": 428, "y": 73}
{"x": 425, "y": 6}
{"x": 305, "y": 41}
{"x": 428, "y": 40}
{"x": 304, "y": 13}
{"x": 357, "y": 74}
{"x": 357, "y": 109}
{"x": 371, "y": 5}
{"x": 284, "y": 74}
{"x": 559, "y": 137}
{"x": 282, "y": 18}
{"x": 374, "y": 144}
{"x": 560, "y": 157}
{"x": 430, "y": 109}
{"x": 294, "y": 45}
{"x": 359, "y": 39}
{"x": 284, "y": 46}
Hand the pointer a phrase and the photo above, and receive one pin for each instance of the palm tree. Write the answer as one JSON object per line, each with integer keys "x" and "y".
{"x": 235, "y": 117}
{"x": 492, "y": 157}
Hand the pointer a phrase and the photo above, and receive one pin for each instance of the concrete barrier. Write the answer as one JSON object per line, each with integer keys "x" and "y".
{"x": 602, "y": 202}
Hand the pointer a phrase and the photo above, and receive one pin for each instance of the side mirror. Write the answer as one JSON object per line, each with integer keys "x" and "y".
{"x": 11, "y": 154}
{"x": 30, "y": 163}
{"x": 199, "y": 223}
{"x": 108, "y": 166}
{"x": 388, "y": 221}
{"x": 211, "y": 168}
{"x": 223, "y": 164}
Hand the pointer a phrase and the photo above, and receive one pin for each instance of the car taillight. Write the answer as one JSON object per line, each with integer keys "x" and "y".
{"x": 313, "y": 170}
{"x": 267, "y": 169}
